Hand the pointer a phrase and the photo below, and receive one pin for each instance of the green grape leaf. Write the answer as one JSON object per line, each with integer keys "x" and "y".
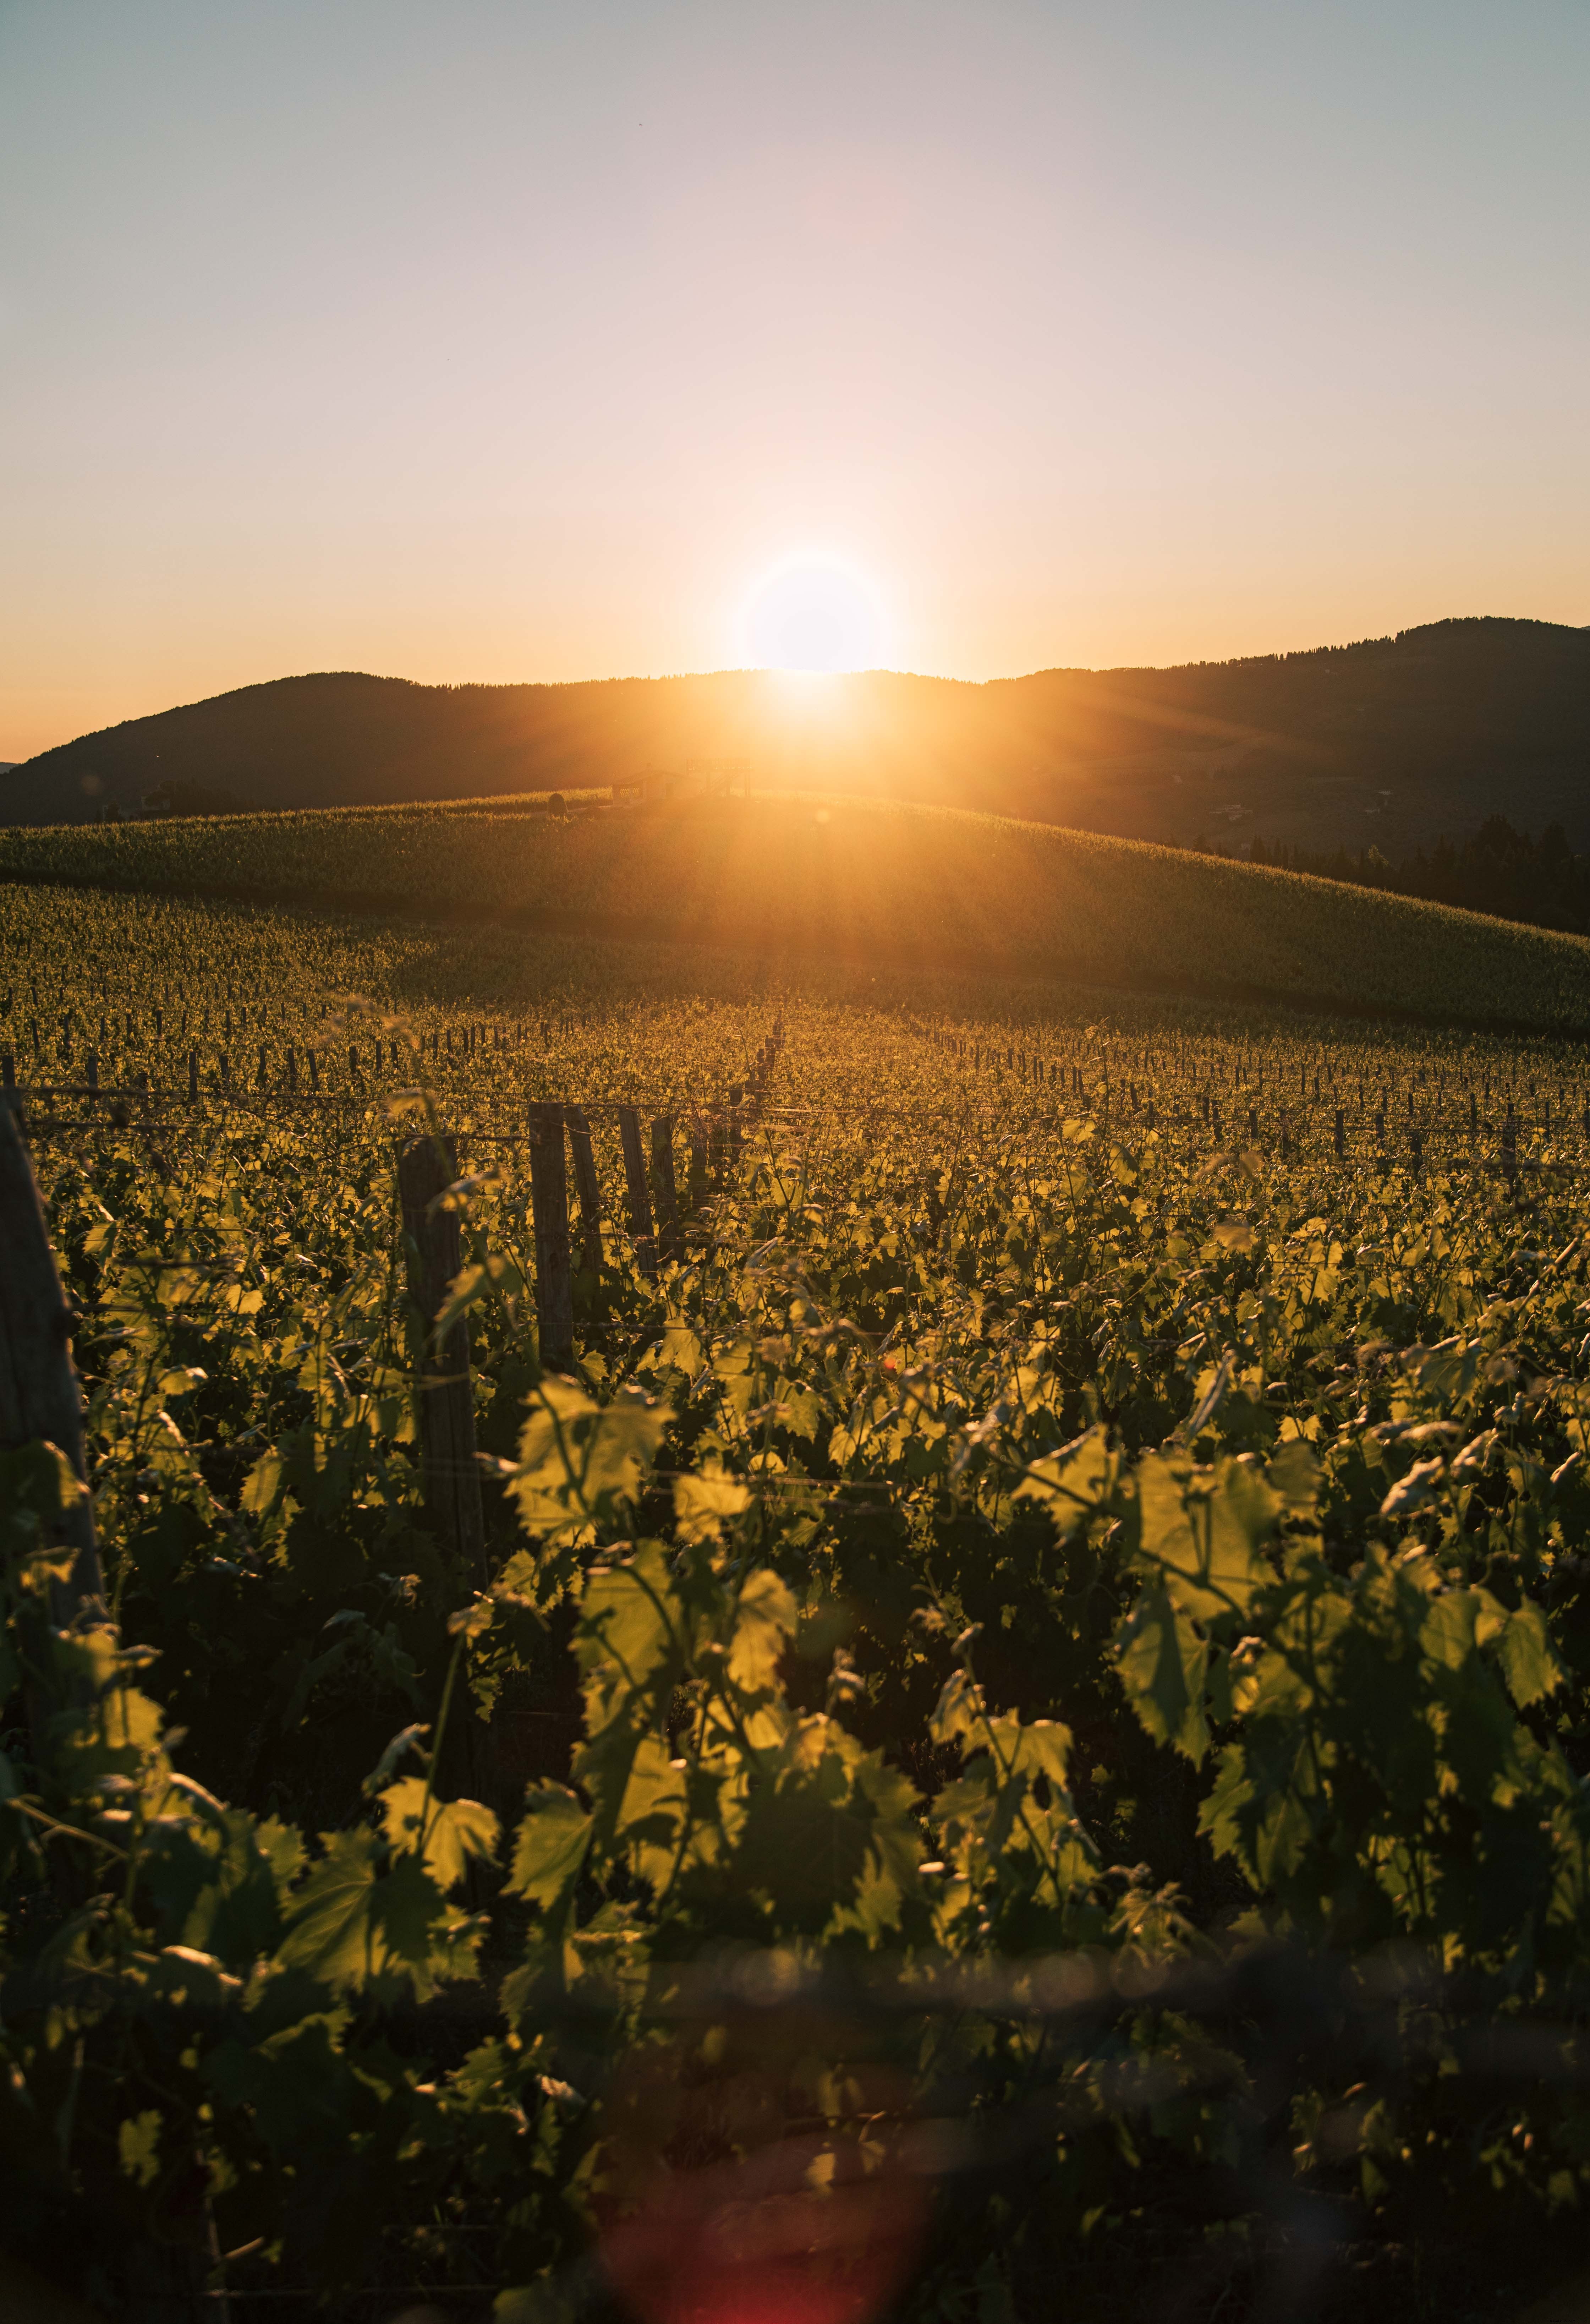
{"x": 681, "y": 1351}
{"x": 454, "y": 1829}
{"x": 704, "y": 1501}
{"x": 766, "y": 1615}
{"x": 351, "y": 1923}
{"x": 549, "y": 1846}
{"x": 1530, "y": 1662}
{"x": 1162, "y": 1663}
{"x": 264, "y": 1485}
{"x": 138, "y": 2141}
{"x": 581, "y": 1462}
{"x": 1293, "y": 1475}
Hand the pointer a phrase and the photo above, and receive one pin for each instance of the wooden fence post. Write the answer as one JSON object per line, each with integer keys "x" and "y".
{"x": 452, "y": 1476}
{"x": 700, "y": 1158}
{"x": 549, "y": 1195}
{"x": 662, "y": 1178}
{"x": 579, "y": 1131}
{"x": 39, "y": 1399}
{"x": 636, "y": 1186}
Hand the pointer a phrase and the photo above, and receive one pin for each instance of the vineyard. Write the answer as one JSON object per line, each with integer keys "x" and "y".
{"x": 900, "y": 888}
{"x": 944, "y": 1672}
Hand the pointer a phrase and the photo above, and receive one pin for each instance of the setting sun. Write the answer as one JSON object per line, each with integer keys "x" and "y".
{"x": 812, "y": 612}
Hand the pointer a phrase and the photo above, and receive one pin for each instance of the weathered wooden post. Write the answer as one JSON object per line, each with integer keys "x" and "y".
{"x": 639, "y": 1195}
{"x": 549, "y": 1196}
{"x": 39, "y": 1399}
{"x": 662, "y": 1179}
{"x": 451, "y": 1474}
{"x": 701, "y": 1159}
{"x": 579, "y": 1131}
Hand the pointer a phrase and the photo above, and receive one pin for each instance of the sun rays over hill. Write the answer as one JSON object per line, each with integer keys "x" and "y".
{"x": 1398, "y": 741}
{"x": 809, "y": 876}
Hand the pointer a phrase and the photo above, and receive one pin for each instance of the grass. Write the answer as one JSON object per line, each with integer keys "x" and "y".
{"x": 807, "y": 876}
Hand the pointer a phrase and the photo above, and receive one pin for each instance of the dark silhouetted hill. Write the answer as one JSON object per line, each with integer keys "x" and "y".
{"x": 1395, "y": 742}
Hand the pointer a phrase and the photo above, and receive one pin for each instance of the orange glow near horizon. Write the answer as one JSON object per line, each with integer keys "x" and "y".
{"x": 495, "y": 345}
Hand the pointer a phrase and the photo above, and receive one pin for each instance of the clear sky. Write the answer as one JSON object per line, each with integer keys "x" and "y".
{"x": 493, "y": 339}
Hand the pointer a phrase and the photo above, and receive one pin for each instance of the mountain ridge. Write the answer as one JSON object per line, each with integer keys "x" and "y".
{"x": 1397, "y": 740}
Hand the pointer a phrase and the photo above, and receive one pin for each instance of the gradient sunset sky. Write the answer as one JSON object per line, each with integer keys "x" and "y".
{"x": 489, "y": 340}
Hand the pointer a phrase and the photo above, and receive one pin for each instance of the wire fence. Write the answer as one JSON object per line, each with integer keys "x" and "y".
{"x": 1508, "y": 1143}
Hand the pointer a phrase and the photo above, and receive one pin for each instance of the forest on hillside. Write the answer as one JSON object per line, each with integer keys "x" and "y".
{"x": 1498, "y": 869}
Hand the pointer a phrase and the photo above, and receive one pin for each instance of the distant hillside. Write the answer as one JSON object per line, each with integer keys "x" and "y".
{"x": 838, "y": 879}
{"x": 1399, "y": 740}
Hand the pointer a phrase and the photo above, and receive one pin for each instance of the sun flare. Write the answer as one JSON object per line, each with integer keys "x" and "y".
{"x": 812, "y": 612}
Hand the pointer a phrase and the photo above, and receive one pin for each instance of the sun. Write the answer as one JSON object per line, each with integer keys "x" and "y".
{"x": 812, "y": 612}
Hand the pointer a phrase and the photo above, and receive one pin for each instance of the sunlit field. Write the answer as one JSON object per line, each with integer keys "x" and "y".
{"x": 1045, "y": 1579}
{"x": 895, "y": 887}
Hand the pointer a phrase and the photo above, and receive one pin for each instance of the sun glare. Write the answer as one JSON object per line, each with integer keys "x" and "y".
{"x": 813, "y": 613}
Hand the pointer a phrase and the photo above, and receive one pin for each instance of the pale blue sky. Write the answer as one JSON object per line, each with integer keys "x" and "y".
{"x": 487, "y": 340}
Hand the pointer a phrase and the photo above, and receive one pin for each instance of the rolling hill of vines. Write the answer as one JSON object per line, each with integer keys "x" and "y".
{"x": 809, "y": 876}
